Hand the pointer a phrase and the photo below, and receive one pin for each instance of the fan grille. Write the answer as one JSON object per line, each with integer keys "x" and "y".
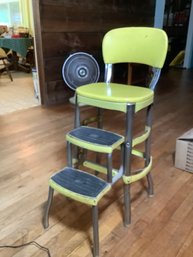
{"x": 80, "y": 69}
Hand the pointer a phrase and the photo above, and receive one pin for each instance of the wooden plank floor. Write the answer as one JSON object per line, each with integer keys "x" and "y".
{"x": 33, "y": 147}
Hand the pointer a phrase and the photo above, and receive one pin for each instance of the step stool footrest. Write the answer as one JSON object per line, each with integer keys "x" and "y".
{"x": 79, "y": 185}
{"x": 95, "y": 139}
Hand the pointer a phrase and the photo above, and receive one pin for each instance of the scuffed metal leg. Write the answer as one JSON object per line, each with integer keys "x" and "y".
{"x": 150, "y": 185}
{"x": 150, "y": 189}
{"x": 69, "y": 154}
{"x": 49, "y": 202}
{"x": 109, "y": 167}
{"x": 127, "y": 161}
{"x": 127, "y": 200}
{"x": 77, "y": 113}
{"x": 95, "y": 231}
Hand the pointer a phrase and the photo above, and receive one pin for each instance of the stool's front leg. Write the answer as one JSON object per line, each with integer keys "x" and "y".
{"x": 127, "y": 160}
{"x": 49, "y": 202}
{"x": 127, "y": 200}
{"x": 95, "y": 231}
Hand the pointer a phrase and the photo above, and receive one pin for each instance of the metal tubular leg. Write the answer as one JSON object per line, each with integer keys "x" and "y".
{"x": 76, "y": 123}
{"x": 127, "y": 160}
{"x": 77, "y": 114}
{"x": 127, "y": 196}
{"x": 49, "y": 202}
{"x": 95, "y": 231}
{"x": 99, "y": 125}
{"x": 127, "y": 200}
{"x": 69, "y": 154}
{"x": 98, "y": 161}
{"x": 148, "y": 150}
{"x": 78, "y": 153}
{"x": 150, "y": 185}
{"x": 109, "y": 167}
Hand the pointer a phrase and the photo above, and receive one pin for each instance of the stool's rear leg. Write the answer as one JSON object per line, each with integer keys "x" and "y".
{"x": 148, "y": 150}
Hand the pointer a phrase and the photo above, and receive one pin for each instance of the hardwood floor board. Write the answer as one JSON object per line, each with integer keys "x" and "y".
{"x": 33, "y": 147}
{"x": 28, "y": 144}
{"x": 37, "y": 133}
{"x": 23, "y": 189}
{"x": 25, "y": 229}
{"x": 16, "y": 212}
{"x": 162, "y": 240}
{"x": 162, "y": 178}
{"x": 51, "y": 154}
{"x": 168, "y": 242}
{"x": 164, "y": 204}
{"x": 109, "y": 218}
{"x": 68, "y": 230}
{"x": 187, "y": 248}
{"x": 147, "y": 211}
{"x": 30, "y": 225}
{"x": 181, "y": 234}
{"x": 77, "y": 244}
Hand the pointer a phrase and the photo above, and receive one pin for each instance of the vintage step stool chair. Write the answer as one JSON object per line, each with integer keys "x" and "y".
{"x": 143, "y": 45}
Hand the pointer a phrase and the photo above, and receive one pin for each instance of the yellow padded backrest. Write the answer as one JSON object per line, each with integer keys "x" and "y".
{"x": 144, "y": 45}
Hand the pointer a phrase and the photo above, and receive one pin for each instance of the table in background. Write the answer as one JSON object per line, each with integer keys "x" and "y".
{"x": 18, "y": 46}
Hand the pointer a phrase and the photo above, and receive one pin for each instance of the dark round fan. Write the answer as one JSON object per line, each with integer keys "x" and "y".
{"x": 79, "y": 69}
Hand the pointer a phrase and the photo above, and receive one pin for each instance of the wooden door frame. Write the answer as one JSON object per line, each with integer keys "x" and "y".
{"x": 188, "y": 60}
{"x": 159, "y": 13}
{"x": 39, "y": 50}
{"x": 158, "y": 22}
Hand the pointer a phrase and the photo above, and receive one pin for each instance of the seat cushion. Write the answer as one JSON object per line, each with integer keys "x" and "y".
{"x": 79, "y": 185}
{"x": 115, "y": 92}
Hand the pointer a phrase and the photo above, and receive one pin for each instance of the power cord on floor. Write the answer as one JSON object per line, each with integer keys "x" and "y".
{"x": 30, "y": 243}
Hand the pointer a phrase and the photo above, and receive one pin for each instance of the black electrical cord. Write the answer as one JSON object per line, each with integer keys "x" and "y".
{"x": 29, "y": 243}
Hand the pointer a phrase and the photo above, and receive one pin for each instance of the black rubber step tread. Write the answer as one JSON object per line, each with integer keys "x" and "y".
{"x": 79, "y": 182}
{"x": 95, "y": 135}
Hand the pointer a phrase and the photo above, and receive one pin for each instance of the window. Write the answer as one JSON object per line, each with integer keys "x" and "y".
{"x": 10, "y": 13}
{"x": 16, "y": 13}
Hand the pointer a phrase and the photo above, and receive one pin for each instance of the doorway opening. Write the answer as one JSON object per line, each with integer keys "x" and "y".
{"x": 22, "y": 92}
{"x": 176, "y": 24}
